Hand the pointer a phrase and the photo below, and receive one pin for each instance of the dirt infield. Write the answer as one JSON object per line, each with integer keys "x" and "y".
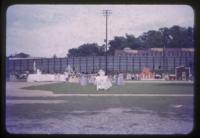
{"x": 14, "y": 89}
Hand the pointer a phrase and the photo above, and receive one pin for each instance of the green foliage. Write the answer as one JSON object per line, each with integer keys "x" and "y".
{"x": 20, "y": 55}
{"x": 183, "y": 37}
{"x": 91, "y": 49}
{"x": 174, "y": 37}
{"x": 119, "y": 42}
{"x": 151, "y": 39}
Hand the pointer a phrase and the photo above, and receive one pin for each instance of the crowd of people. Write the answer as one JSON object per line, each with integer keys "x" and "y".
{"x": 70, "y": 75}
{"x": 85, "y": 78}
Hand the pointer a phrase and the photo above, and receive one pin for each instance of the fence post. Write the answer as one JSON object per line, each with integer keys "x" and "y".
{"x": 99, "y": 62}
{"x": 119, "y": 64}
{"x": 161, "y": 64}
{"x": 80, "y": 65}
{"x": 48, "y": 65}
{"x": 139, "y": 63}
{"x": 54, "y": 64}
{"x": 126, "y": 63}
{"x": 7, "y": 68}
{"x": 27, "y": 65}
{"x": 13, "y": 65}
{"x": 147, "y": 60}
{"x": 186, "y": 62}
{"x": 174, "y": 63}
{"x": 180, "y": 61}
{"x": 67, "y": 60}
{"x": 93, "y": 63}
{"x": 73, "y": 62}
{"x": 86, "y": 60}
{"x": 153, "y": 64}
{"x": 166, "y": 62}
{"x": 44, "y": 67}
{"x": 20, "y": 66}
{"x": 41, "y": 62}
{"x": 60, "y": 59}
{"x": 133, "y": 64}
{"x": 113, "y": 60}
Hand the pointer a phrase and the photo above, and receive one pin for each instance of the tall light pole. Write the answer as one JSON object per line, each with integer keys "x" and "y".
{"x": 166, "y": 37}
{"x": 106, "y": 13}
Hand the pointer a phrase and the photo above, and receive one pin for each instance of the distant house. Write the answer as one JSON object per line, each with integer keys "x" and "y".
{"x": 20, "y": 55}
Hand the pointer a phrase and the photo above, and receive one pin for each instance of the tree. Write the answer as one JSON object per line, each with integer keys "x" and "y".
{"x": 119, "y": 42}
{"x": 20, "y": 55}
{"x": 174, "y": 37}
{"x": 54, "y": 56}
{"x": 151, "y": 39}
{"x": 102, "y": 50}
{"x": 73, "y": 52}
{"x": 182, "y": 37}
{"x": 132, "y": 42}
{"x": 90, "y": 49}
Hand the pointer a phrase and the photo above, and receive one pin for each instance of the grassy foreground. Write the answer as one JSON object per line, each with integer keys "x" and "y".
{"x": 137, "y": 88}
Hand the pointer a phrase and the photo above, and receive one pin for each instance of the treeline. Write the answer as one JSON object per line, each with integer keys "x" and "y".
{"x": 174, "y": 37}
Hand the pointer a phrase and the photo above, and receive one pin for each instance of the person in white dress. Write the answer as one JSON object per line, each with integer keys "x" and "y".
{"x": 103, "y": 81}
{"x": 83, "y": 80}
{"x": 120, "y": 79}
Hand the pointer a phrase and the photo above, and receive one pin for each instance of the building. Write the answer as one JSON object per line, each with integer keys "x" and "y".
{"x": 169, "y": 52}
{"x": 159, "y": 61}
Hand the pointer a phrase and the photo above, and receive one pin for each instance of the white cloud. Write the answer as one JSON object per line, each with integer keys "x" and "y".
{"x": 44, "y": 30}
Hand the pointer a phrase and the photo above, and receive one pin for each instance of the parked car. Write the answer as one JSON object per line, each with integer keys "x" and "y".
{"x": 158, "y": 76}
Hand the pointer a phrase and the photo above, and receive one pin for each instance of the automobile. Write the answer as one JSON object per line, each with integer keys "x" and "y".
{"x": 158, "y": 76}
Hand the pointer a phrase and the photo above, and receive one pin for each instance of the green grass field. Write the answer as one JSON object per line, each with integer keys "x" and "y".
{"x": 135, "y": 88}
{"x": 157, "y": 110}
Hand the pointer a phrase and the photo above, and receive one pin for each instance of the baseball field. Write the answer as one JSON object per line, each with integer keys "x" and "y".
{"x": 135, "y": 108}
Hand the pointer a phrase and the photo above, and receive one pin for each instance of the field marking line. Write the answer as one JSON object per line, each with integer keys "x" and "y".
{"x": 135, "y": 95}
{"x": 19, "y": 101}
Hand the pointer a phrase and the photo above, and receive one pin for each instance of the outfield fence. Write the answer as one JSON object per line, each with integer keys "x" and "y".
{"x": 92, "y": 64}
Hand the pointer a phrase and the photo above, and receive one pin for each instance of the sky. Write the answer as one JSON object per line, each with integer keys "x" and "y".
{"x": 45, "y": 30}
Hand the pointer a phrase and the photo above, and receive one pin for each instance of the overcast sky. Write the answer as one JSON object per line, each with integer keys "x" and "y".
{"x": 44, "y": 30}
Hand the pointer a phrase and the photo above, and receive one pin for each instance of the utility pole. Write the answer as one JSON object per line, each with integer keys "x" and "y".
{"x": 106, "y": 13}
{"x": 164, "y": 64}
{"x": 166, "y": 38}
{"x": 164, "y": 45}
